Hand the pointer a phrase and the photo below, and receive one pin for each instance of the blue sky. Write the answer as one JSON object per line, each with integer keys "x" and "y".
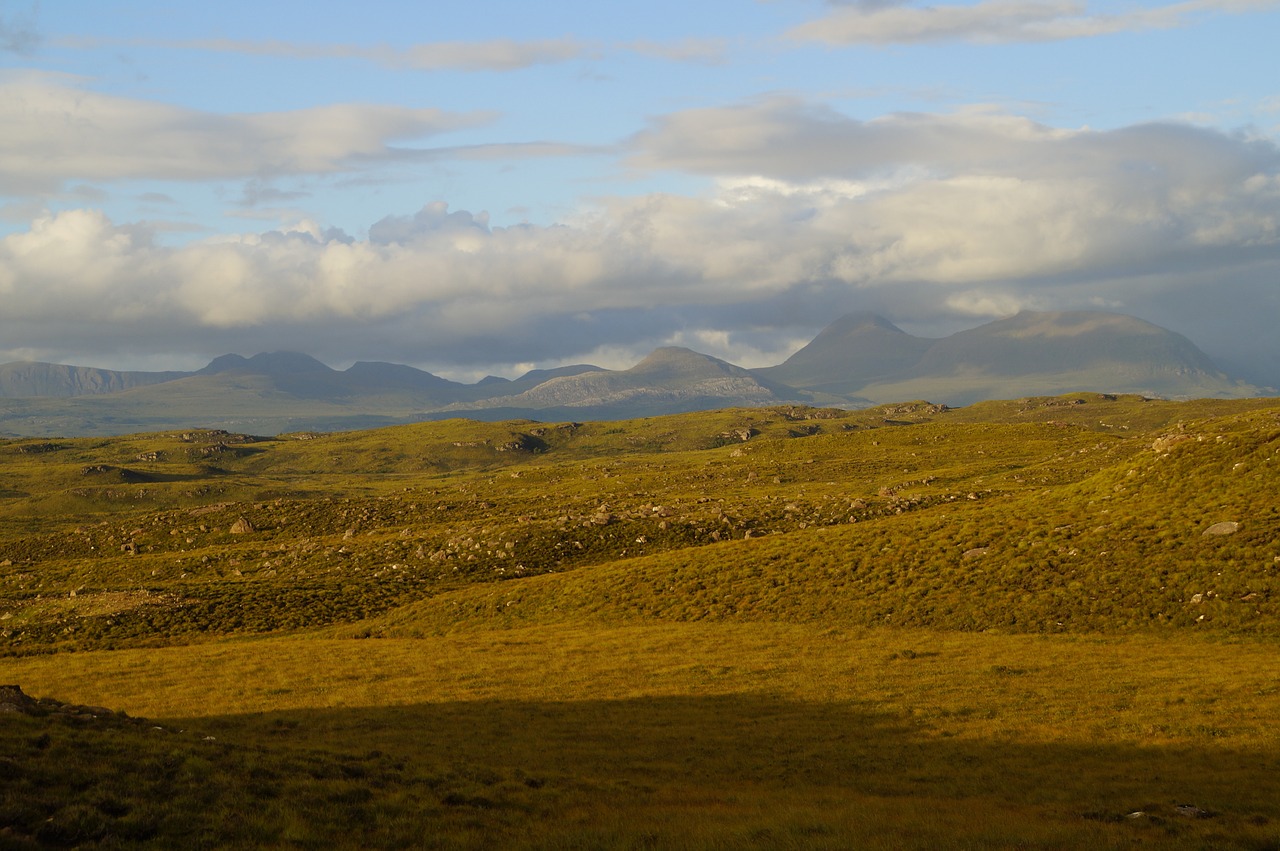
{"x": 519, "y": 185}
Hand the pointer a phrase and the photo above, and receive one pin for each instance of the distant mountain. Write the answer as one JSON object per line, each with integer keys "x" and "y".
{"x": 859, "y": 359}
{"x": 668, "y": 380}
{"x": 491, "y": 385}
{"x": 1036, "y": 353}
{"x": 850, "y": 353}
{"x": 30, "y": 378}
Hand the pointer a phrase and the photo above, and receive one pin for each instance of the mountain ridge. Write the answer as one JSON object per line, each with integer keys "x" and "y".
{"x": 858, "y": 360}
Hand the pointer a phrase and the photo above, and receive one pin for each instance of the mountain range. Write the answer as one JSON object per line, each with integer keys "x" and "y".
{"x": 858, "y": 360}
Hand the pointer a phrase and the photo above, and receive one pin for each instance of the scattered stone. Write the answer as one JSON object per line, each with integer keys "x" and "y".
{"x": 1165, "y": 442}
{"x": 1228, "y": 527}
{"x": 1192, "y": 811}
{"x": 977, "y": 552}
{"x": 241, "y": 527}
{"x": 40, "y": 448}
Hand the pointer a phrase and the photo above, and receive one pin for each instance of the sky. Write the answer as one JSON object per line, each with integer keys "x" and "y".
{"x": 512, "y": 185}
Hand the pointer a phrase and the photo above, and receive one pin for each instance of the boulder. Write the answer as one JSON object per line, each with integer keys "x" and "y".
{"x": 12, "y": 699}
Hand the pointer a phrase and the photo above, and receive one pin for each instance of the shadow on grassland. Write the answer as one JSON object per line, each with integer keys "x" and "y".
{"x": 740, "y": 769}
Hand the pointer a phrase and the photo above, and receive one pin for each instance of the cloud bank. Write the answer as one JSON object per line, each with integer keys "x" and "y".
{"x": 56, "y": 130}
{"x": 1001, "y": 21}
{"x": 491, "y": 55}
{"x": 929, "y": 218}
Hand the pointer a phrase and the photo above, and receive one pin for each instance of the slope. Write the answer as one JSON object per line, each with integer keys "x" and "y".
{"x": 1052, "y": 353}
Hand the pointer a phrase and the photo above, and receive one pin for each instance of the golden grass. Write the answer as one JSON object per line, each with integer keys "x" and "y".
{"x": 759, "y": 735}
{"x": 672, "y": 681}
{"x": 1133, "y": 688}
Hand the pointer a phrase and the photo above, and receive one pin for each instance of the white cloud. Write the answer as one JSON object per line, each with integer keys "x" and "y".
{"x": 491, "y": 55}
{"x": 706, "y": 51}
{"x": 56, "y": 130}
{"x": 997, "y": 21}
{"x": 793, "y": 140}
{"x": 882, "y": 214}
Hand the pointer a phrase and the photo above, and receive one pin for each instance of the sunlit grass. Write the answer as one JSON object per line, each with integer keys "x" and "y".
{"x": 693, "y": 731}
{"x": 1002, "y": 626}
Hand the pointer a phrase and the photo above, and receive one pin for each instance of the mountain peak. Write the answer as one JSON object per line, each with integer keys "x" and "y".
{"x": 678, "y": 362}
{"x": 857, "y": 349}
{"x": 858, "y": 321}
{"x": 266, "y": 363}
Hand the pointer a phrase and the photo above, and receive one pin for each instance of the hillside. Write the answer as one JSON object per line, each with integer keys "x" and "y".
{"x": 1042, "y": 489}
{"x": 1046, "y": 622}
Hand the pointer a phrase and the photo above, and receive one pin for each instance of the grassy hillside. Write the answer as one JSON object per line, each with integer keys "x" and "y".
{"x": 1010, "y": 625}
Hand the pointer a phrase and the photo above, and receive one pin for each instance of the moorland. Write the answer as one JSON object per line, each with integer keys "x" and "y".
{"x": 1042, "y": 623}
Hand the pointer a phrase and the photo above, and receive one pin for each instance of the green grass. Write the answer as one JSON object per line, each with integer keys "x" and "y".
{"x": 907, "y": 627}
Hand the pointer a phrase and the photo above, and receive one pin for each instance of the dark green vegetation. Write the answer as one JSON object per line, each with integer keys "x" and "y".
{"x": 1010, "y": 625}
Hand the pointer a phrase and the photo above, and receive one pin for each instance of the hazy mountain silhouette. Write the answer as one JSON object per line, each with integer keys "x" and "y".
{"x": 1037, "y": 353}
{"x": 850, "y": 353}
{"x": 670, "y": 379}
{"x": 859, "y": 359}
{"x": 31, "y": 378}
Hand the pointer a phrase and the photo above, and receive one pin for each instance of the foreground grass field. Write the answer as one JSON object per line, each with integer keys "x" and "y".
{"x": 1019, "y": 625}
